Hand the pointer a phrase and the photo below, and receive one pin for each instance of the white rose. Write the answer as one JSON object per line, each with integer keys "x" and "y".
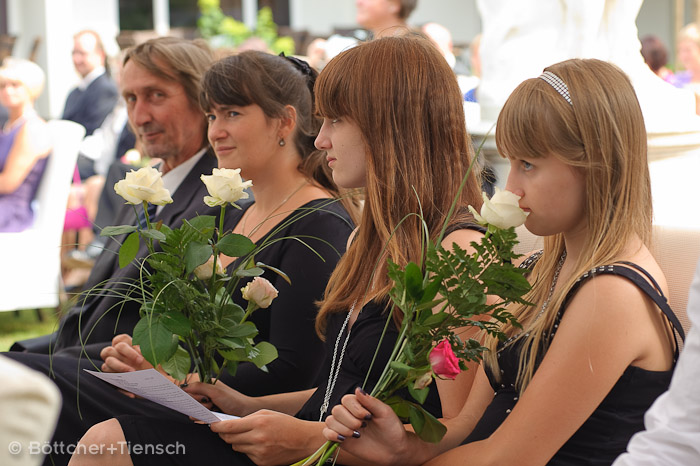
{"x": 260, "y": 291}
{"x": 225, "y": 186}
{"x": 502, "y": 210}
{"x": 205, "y": 271}
{"x": 145, "y": 184}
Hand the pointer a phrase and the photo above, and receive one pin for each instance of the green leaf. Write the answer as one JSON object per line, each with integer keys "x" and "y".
{"x": 401, "y": 407}
{"x": 203, "y": 222}
{"x": 177, "y": 323}
{"x": 196, "y": 254}
{"x": 414, "y": 281}
{"x": 276, "y": 270}
{"x": 153, "y": 234}
{"x": 400, "y": 367}
{"x": 117, "y": 230}
{"x": 179, "y": 365}
{"x": 418, "y": 395}
{"x": 266, "y": 353}
{"x": 231, "y": 342}
{"x": 425, "y": 425}
{"x": 246, "y": 329}
{"x": 158, "y": 344}
{"x": 235, "y": 245}
{"x": 128, "y": 249}
{"x": 252, "y": 272}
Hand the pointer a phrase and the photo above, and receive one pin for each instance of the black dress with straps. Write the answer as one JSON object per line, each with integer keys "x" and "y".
{"x": 604, "y": 435}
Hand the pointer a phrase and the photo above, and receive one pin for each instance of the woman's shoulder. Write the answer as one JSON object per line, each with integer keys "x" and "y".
{"x": 462, "y": 234}
{"x": 322, "y": 213}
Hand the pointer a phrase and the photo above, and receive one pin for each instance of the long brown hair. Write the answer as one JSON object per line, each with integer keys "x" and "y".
{"x": 406, "y": 102}
{"x": 602, "y": 134}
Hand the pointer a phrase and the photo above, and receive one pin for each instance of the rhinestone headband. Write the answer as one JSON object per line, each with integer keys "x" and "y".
{"x": 558, "y": 85}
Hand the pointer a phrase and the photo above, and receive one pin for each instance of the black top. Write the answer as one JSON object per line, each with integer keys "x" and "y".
{"x": 289, "y": 321}
{"x": 604, "y": 435}
{"x": 364, "y": 338}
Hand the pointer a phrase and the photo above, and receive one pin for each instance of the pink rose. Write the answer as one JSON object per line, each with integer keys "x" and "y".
{"x": 443, "y": 361}
{"x": 260, "y": 291}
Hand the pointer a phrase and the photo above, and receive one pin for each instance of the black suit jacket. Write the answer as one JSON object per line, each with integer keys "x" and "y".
{"x": 100, "y": 315}
{"x": 91, "y": 106}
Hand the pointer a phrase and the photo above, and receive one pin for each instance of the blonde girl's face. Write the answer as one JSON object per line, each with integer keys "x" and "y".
{"x": 346, "y": 151}
{"x": 553, "y": 192}
{"x": 13, "y": 93}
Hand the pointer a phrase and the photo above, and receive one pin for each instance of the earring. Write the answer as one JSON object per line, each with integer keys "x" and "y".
{"x": 282, "y": 143}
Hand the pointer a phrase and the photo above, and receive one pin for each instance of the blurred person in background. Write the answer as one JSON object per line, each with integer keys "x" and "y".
{"x": 656, "y": 56}
{"x": 24, "y": 143}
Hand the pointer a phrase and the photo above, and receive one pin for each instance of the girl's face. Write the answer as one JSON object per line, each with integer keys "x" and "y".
{"x": 13, "y": 93}
{"x": 345, "y": 151}
{"x": 552, "y": 191}
{"x": 242, "y": 137}
{"x": 689, "y": 54}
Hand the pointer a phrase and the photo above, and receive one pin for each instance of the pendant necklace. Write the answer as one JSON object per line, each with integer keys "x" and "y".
{"x": 250, "y": 210}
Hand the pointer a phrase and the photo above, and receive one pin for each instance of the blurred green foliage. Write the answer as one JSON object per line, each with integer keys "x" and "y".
{"x": 224, "y": 31}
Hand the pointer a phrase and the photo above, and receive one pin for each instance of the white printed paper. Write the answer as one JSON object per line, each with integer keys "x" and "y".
{"x": 152, "y": 385}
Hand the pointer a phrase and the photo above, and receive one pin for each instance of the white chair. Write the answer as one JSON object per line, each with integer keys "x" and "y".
{"x": 30, "y": 261}
{"x": 676, "y": 250}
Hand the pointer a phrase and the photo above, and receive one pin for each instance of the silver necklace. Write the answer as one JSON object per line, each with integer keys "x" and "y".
{"x": 250, "y": 210}
{"x": 560, "y": 264}
{"x": 555, "y": 279}
{"x": 335, "y": 368}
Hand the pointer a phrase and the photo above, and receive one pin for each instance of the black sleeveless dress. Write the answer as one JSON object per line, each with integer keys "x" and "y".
{"x": 604, "y": 435}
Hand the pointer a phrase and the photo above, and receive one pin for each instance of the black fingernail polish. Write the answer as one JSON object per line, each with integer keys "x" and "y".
{"x": 355, "y": 434}
{"x": 368, "y": 417}
{"x": 205, "y": 399}
{"x": 361, "y": 390}
{"x": 364, "y": 424}
{"x": 341, "y": 438}
{"x": 184, "y": 385}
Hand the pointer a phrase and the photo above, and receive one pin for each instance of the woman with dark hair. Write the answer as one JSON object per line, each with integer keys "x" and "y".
{"x": 596, "y": 346}
{"x": 393, "y": 125}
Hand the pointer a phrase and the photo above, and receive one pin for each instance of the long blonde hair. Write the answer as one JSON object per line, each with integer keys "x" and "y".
{"x": 602, "y": 135}
{"x": 406, "y": 101}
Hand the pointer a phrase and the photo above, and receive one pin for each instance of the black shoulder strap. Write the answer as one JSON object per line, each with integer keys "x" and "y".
{"x": 655, "y": 294}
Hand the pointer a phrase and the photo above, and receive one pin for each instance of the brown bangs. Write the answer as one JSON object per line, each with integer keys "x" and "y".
{"x": 225, "y": 84}
{"x": 536, "y": 122}
{"x": 335, "y": 86}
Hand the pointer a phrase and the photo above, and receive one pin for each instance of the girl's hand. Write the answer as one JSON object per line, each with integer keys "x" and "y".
{"x": 367, "y": 428}
{"x": 271, "y": 438}
{"x": 227, "y": 399}
{"x": 123, "y": 356}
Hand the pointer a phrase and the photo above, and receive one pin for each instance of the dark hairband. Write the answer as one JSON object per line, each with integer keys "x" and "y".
{"x": 301, "y": 65}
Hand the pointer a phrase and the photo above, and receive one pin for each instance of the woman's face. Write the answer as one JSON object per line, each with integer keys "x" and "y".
{"x": 242, "y": 137}
{"x": 551, "y": 191}
{"x": 689, "y": 55}
{"x": 13, "y": 93}
{"x": 345, "y": 151}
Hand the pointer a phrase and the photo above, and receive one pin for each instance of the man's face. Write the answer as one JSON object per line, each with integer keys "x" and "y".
{"x": 168, "y": 126}
{"x": 86, "y": 56}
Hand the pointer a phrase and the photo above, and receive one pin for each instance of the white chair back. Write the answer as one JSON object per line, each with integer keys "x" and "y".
{"x": 30, "y": 272}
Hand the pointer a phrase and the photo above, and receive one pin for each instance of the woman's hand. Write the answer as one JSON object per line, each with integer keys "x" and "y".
{"x": 368, "y": 429}
{"x": 227, "y": 399}
{"x": 271, "y": 438}
{"x": 123, "y": 356}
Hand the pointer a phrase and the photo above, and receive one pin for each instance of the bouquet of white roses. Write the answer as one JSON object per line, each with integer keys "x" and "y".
{"x": 445, "y": 293}
{"x": 188, "y": 319}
